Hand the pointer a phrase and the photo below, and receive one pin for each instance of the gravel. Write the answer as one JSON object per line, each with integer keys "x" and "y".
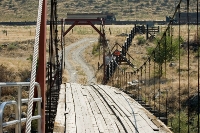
{"x": 74, "y": 56}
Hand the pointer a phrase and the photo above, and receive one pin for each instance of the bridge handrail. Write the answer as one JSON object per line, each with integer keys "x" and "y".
{"x": 18, "y": 120}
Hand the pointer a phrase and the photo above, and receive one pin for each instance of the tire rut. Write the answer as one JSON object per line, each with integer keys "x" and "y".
{"x": 74, "y": 56}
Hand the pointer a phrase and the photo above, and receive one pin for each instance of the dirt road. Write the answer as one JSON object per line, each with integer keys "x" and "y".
{"x": 78, "y": 70}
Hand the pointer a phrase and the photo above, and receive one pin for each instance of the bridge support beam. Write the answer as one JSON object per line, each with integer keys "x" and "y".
{"x": 42, "y": 61}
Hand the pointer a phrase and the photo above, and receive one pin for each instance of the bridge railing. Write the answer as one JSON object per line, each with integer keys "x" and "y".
{"x": 166, "y": 82}
{"x": 17, "y": 119}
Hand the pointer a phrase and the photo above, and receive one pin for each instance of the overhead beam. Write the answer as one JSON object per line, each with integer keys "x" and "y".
{"x": 83, "y": 22}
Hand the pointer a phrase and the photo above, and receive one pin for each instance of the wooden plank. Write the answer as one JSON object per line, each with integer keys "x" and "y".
{"x": 125, "y": 106}
{"x": 112, "y": 121}
{"x": 113, "y": 118}
{"x": 69, "y": 98}
{"x": 121, "y": 113}
{"x": 95, "y": 111}
{"x": 60, "y": 120}
{"x": 149, "y": 122}
{"x": 84, "y": 91}
{"x": 140, "y": 120}
{"x": 89, "y": 113}
{"x": 142, "y": 125}
{"x": 123, "y": 120}
{"x": 105, "y": 119}
{"x": 70, "y": 123}
{"x": 90, "y": 118}
{"x": 120, "y": 104}
{"x": 108, "y": 100}
{"x": 79, "y": 108}
{"x": 119, "y": 100}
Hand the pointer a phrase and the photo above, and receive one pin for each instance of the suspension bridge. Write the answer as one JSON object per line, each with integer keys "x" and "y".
{"x": 161, "y": 94}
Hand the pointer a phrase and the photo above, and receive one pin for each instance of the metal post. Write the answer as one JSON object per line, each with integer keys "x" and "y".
{"x": 42, "y": 61}
{"x": 104, "y": 52}
{"x": 104, "y": 63}
{"x": 138, "y": 97}
{"x": 126, "y": 82}
{"x": 147, "y": 32}
{"x": 19, "y": 104}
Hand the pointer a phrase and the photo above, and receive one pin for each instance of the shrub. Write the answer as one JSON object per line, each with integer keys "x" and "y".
{"x": 95, "y": 49}
{"x": 175, "y": 122}
{"x": 24, "y": 74}
{"x": 4, "y": 31}
{"x": 141, "y": 40}
{"x": 6, "y": 75}
{"x": 197, "y": 37}
{"x": 12, "y": 47}
{"x": 167, "y": 50}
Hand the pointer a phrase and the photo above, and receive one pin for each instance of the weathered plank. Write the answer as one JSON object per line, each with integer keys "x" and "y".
{"x": 105, "y": 110}
{"x": 70, "y": 125}
{"x": 121, "y": 113}
{"x": 90, "y": 118}
{"x": 109, "y": 124}
{"x": 95, "y": 111}
{"x": 59, "y": 123}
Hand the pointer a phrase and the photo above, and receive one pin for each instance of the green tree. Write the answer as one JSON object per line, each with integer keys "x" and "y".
{"x": 167, "y": 50}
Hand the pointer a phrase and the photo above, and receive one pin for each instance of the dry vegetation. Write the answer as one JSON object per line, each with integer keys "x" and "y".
{"x": 21, "y": 40}
{"x": 19, "y": 10}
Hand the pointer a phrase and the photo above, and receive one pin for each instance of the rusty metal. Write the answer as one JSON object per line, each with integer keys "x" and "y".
{"x": 42, "y": 61}
{"x": 83, "y": 22}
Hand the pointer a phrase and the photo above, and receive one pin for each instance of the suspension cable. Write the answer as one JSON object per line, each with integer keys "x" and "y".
{"x": 198, "y": 39}
{"x": 145, "y": 79}
{"x": 149, "y": 78}
{"x": 179, "y": 72}
{"x": 154, "y": 87}
{"x": 160, "y": 73}
{"x": 33, "y": 71}
{"x": 188, "y": 64}
{"x": 51, "y": 59}
{"x": 141, "y": 82}
{"x": 138, "y": 78}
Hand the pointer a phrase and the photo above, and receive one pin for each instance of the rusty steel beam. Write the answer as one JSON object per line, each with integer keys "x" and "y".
{"x": 97, "y": 30}
{"x": 83, "y": 22}
{"x": 67, "y": 31}
{"x": 42, "y": 61}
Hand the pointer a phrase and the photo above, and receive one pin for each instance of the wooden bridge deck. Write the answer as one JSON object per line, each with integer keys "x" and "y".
{"x": 102, "y": 109}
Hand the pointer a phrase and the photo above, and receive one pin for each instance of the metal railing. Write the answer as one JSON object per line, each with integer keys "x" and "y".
{"x": 18, "y": 106}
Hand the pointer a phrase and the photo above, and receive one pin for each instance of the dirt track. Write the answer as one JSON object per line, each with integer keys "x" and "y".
{"x": 77, "y": 69}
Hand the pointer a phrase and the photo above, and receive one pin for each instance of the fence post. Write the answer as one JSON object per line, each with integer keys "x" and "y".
{"x": 147, "y": 32}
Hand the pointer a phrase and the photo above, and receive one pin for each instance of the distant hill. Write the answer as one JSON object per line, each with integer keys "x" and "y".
{"x": 26, "y": 10}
